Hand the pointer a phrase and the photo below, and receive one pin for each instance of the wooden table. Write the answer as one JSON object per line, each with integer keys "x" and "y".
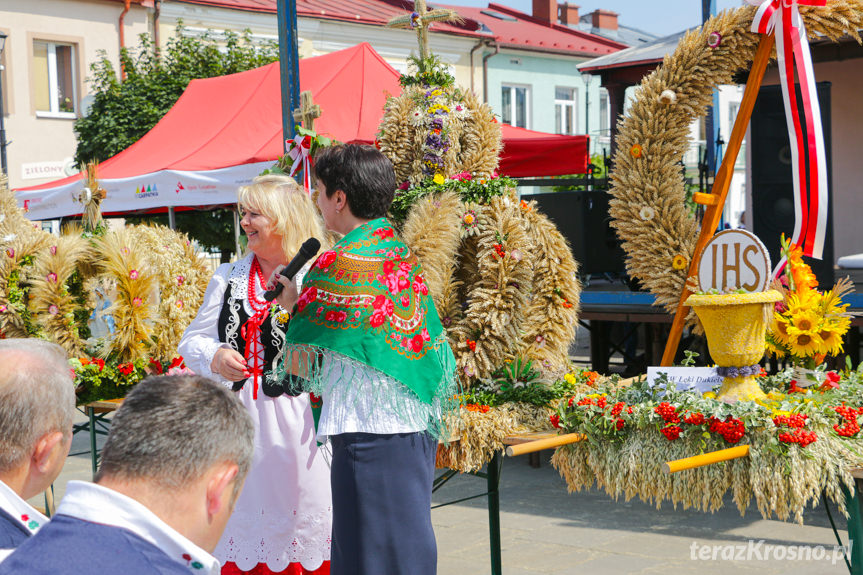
{"x": 97, "y": 412}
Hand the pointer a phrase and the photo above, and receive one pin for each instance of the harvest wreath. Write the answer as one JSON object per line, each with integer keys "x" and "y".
{"x": 648, "y": 208}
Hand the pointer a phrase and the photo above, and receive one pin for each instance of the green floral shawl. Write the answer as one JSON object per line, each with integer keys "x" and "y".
{"x": 367, "y": 300}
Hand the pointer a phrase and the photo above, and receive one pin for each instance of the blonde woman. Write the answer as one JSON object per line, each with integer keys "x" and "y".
{"x": 282, "y": 520}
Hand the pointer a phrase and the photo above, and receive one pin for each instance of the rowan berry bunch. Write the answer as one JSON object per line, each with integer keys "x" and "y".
{"x": 731, "y": 430}
{"x": 849, "y": 426}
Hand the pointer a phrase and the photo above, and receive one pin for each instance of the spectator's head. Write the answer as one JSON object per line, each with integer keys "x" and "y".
{"x": 182, "y": 446}
{"x": 278, "y": 214}
{"x": 353, "y": 179}
{"x": 37, "y": 404}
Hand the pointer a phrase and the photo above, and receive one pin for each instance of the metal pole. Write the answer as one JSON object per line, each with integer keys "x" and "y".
{"x": 172, "y": 223}
{"x": 2, "y": 127}
{"x": 493, "y": 482}
{"x": 236, "y": 233}
{"x": 289, "y": 67}
{"x": 711, "y": 121}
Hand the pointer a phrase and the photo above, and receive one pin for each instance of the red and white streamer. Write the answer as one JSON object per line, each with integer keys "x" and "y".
{"x": 782, "y": 18}
{"x": 300, "y": 151}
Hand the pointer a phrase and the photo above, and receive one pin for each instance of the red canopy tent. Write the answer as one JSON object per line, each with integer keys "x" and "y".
{"x": 223, "y": 131}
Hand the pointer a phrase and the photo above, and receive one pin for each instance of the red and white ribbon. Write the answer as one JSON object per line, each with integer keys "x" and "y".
{"x": 300, "y": 151}
{"x": 782, "y": 18}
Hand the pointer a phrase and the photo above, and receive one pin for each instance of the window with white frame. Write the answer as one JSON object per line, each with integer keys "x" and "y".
{"x": 564, "y": 110}
{"x": 515, "y": 106}
{"x": 604, "y": 115}
{"x": 54, "y": 79}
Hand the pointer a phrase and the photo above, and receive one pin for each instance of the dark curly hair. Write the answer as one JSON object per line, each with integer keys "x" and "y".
{"x": 363, "y": 173}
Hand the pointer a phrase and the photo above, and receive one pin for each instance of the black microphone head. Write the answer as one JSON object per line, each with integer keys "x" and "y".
{"x": 310, "y": 247}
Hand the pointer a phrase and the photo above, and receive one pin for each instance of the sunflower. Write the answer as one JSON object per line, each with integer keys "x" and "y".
{"x": 779, "y": 329}
{"x": 799, "y": 302}
{"x": 803, "y": 343}
{"x": 831, "y": 340}
{"x": 806, "y": 321}
{"x": 775, "y": 348}
{"x": 679, "y": 262}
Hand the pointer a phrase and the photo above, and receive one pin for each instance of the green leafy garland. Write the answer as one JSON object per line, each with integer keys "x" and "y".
{"x": 428, "y": 71}
{"x": 468, "y": 189}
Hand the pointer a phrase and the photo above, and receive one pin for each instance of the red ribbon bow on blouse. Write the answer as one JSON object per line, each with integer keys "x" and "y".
{"x": 782, "y": 18}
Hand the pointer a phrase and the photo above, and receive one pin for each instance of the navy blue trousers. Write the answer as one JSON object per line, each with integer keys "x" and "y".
{"x": 382, "y": 504}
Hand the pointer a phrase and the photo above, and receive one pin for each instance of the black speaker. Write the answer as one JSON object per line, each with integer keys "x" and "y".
{"x": 772, "y": 187}
{"x": 582, "y": 218}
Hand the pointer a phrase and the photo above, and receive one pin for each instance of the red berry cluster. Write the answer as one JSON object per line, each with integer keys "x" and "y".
{"x": 732, "y": 429}
{"x": 799, "y": 435}
{"x": 849, "y": 427}
{"x": 696, "y": 418}
{"x": 555, "y": 420}
{"x": 668, "y": 412}
{"x": 617, "y": 408}
{"x": 602, "y": 403}
{"x": 793, "y": 420}
{"x": 671, "y": 432}
{"x": 499, "y": 251}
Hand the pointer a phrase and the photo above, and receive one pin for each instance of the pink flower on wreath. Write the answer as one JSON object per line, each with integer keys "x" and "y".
{"x": 309, "y": 295}
{"x": 181, "y": 280}
{"x": 462, "y": 176}
{"x": 326, "y": 259}
{"x": 53, "y": 309}
{"x": 137, "y": 302}
{"x": 10, "y": 252}
{"x": 417, "y": 343}
{"x": 133, "y": 274}
{"x": 51, "y": 277}
{"x": 53, "y": 250}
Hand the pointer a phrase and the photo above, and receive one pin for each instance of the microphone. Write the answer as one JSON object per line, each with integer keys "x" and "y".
{"x": 307, "y": 251}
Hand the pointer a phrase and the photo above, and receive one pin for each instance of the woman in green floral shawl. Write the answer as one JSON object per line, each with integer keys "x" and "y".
{"x": 367, "y": 339}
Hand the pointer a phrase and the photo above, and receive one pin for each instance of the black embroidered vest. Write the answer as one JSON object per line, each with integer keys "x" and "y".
{"x": 232, "y": 318}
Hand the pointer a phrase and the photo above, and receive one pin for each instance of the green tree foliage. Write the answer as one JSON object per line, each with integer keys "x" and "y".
{"x": 124, "y": 110}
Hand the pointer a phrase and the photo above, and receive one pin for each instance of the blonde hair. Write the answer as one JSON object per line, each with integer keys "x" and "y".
{"x": 293, "y": 214}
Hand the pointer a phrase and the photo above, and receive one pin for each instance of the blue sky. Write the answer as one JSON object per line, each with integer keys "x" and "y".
{"x": 661, "y": 17}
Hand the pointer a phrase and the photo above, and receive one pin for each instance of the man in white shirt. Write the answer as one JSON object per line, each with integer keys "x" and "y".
{"x": 37, "y": 403}
{"x": 176, "y": 457}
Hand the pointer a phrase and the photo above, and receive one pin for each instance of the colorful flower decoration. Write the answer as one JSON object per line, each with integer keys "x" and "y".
{"x": 3, "y": 308}
{"x": 516, "y": 255}
{"x": 714, "y": 39}
{"x": 439, "y": 179}
{"x": 415, "y": 19}
{"x": 53, "y": 309}
{"x": 181, "y": 280}
{"x": 53, "y": 250}
{"x": 469, "y": 220}
{"x": 679, "y": 262}
{"x": 646, "y": 213}
{"x": 51, "y": 277}
{"x": 636, "y": 151}
{"x": 471, "y": 344}
{"x": 283, "y": 317}
{"x": 133, "y": 274}
{"x": 137, "y": 302}
{"x": 525, "y": 205}
{"x": 180, "y": 304}
{"x": 10, "y": 252}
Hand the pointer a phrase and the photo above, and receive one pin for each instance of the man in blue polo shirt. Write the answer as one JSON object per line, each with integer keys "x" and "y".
{"x": 37, "y": 403}
{"x": 174, "y": 463}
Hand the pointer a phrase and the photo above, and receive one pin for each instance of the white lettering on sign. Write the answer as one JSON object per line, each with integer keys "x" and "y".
{"x": 734, "y": 259}
{"x": 700, "y": 379}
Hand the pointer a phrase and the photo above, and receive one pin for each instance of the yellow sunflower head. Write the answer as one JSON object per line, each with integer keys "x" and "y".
{"x": 775, "y": 348}
{"x": 679, "y": 262}
{"x": 799, "y": 302}
{"x": 831, "y": 339}
{"x": 779, "y": 329}
{"x": 803, "y": 343}
{"x": 806, "y": 321}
